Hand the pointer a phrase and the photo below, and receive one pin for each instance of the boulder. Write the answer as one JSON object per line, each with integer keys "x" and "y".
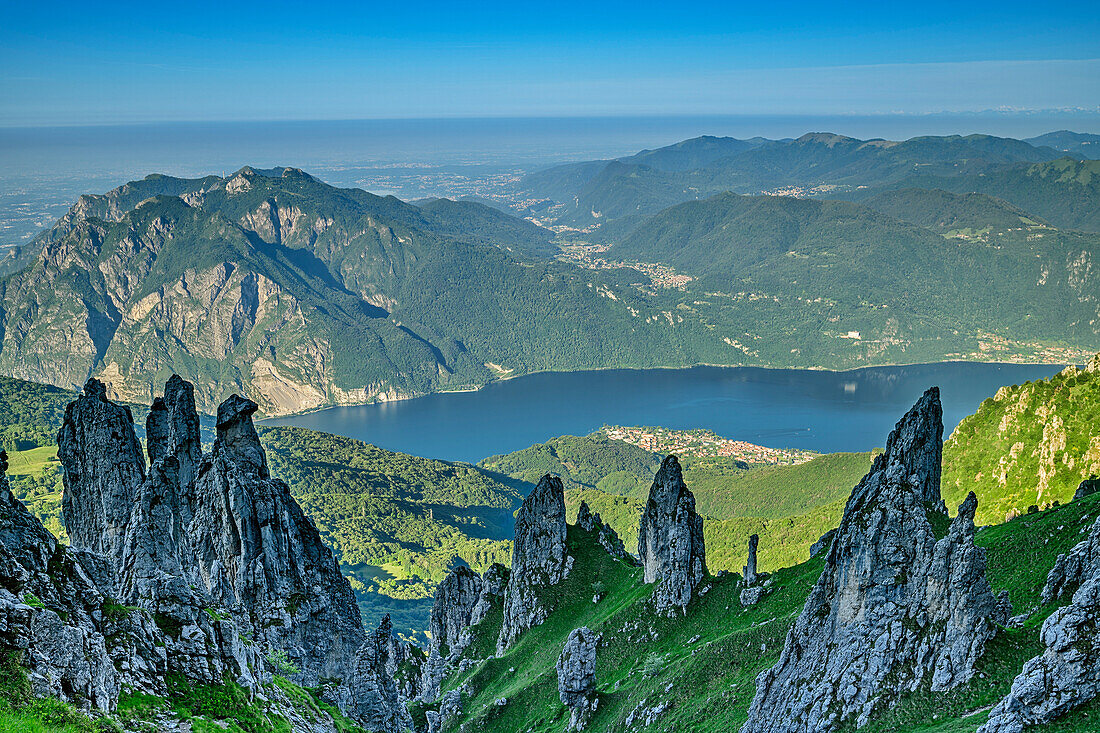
{"x": 670, "y": 540}
{"x": 1088, "y": 487}
{"x": 577, "y": 676}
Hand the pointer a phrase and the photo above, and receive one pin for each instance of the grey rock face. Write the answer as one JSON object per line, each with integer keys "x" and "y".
{"x": 197, "y": 532}
{"x": 894, "y": 607}
{"x": 1073, "y": 568}
{"x": 670, "y": 539}
{"x": 52, "y": 612}
{"x": 450, "y": 705}
{"x": 454, "y": 603}
{"x": 172, "y": 428}
{"x": 539, "y": 559}
{"x": 452, "y": 610}
{"x": 259, "y": 555}
{"x": 375, "y": 701}
{"x": 493, "y": 583}
{"x": 749, "y": 571}
{"x": 584, "y": 517}
{"x": 577, "y": 676}
{"x": 1067, "y": 674}
{"x": 751, "y": 596}
{"x": 104, "y": 469}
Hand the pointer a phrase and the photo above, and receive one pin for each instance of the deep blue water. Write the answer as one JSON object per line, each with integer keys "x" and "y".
{"x": 816, "y": 410}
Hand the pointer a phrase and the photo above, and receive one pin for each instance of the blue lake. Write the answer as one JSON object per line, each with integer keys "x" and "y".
{"x": 782, "y": 408}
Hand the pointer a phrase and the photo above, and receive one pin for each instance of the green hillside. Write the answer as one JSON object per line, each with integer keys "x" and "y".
{"x": 704, "y": 664}
{"x": 397, "y": 523}
{"x": 949, "y": 213}
{"x": 1065, "y": 192}
{"x": 593, "y": 192}
{"x": 1081, "y": 144}
{"x": 30, "y": 413}
{"x": 769, "y": 267}
{"x": 586, "y": 462}
{"x": 698, "y": 152}
{"x": 1031, "y": 444}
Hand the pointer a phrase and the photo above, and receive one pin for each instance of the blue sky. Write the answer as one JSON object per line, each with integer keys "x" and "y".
{"x": 78, "y": 63}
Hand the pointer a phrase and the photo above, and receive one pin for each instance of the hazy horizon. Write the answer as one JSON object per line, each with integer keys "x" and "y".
{"x": 74, "y": 63}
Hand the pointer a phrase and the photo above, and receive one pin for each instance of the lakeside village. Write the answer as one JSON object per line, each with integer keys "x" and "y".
{"x": 704, "y": 443}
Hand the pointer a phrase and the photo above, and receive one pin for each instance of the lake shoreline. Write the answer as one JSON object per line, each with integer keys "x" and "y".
{"x": 513, "y": 377}
{"x": 820, "y": 410}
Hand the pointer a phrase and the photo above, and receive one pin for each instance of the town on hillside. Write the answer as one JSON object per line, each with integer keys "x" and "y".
{"x": 704, "y": 443}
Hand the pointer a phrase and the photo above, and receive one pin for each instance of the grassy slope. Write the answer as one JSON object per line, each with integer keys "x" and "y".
{"x": 704, "y": 665}
{"x": 1030, "y": 444}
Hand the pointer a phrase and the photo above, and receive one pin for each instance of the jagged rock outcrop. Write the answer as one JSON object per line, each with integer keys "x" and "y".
{"x": 217, "y": 552}
{"x": 454, "y": 603}
{"x": 539, "y": 559}
{"x": 670, "y": 539}
{"x": 1067, "y": 674}
{"x": 450, "y": 705}
{"x": 1073, "y": 568}
{"x": 577, "y": 676}
{"x": 205, "y": 532}
{"x": 104, "y": 469}
{"x": 895, "y": 608}
{"x": 373, "y": 698}
{"x": 748, "y": 573}
{"x": 605, "y": 534}
{"x": 452, "y": 610}
{"x": 51, "y": 613}
{"x": 462, "y": 600}
{"x": 822, "y": 543}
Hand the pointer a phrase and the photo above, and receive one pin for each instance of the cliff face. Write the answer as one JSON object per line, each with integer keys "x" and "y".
{"x": 539, "y": 559}
{"x": 670, "y": 539}
{"x": 51, "y": 611}
{"x": 895, "y": 607}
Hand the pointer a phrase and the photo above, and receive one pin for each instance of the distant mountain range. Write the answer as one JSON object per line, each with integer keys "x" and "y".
{"x": 305, "y": 295}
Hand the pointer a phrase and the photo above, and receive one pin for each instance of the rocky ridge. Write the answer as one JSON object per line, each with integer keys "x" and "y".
{"x": 895, "y": 607}
{"x": 197, "y": 565}
{"x": 607, "y": 537}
